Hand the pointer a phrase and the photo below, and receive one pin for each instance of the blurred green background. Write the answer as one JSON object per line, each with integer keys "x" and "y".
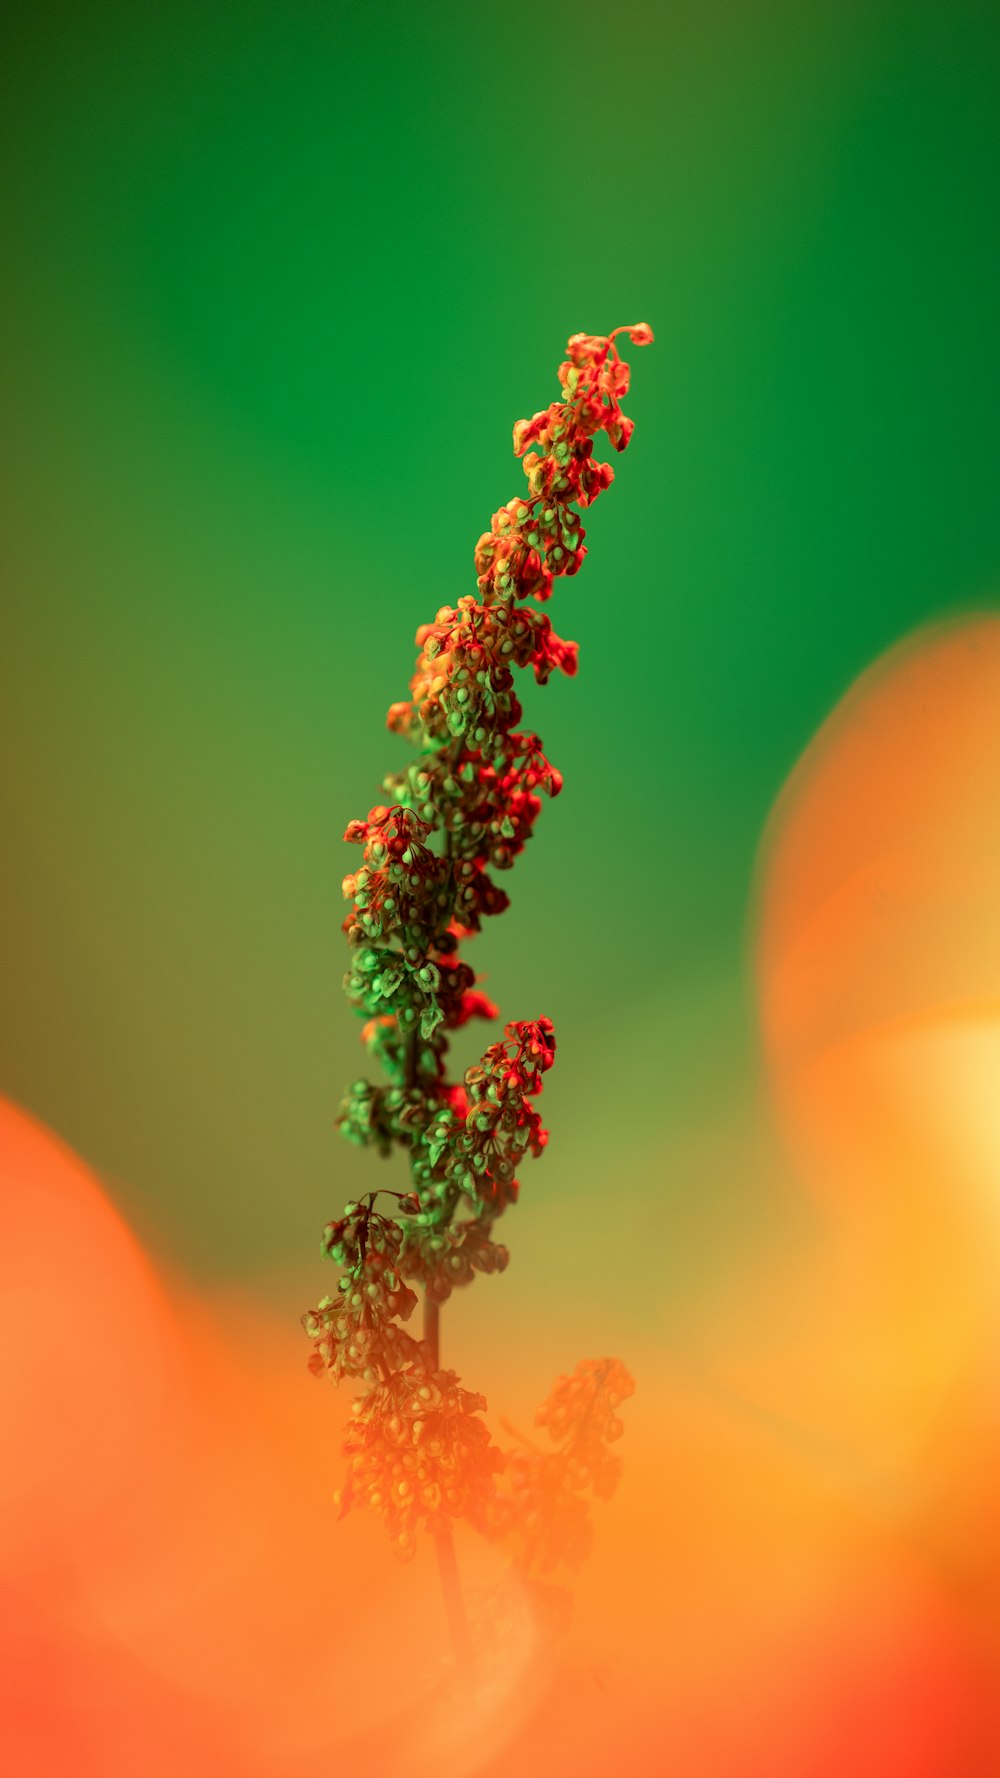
{"x": 278, "y": 281}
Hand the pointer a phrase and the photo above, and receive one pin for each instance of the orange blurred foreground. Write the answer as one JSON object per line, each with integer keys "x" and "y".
{"x": 800, "y": 1583}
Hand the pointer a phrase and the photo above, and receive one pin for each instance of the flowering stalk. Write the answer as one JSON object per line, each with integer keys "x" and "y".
{"x": 418, "y": 1451}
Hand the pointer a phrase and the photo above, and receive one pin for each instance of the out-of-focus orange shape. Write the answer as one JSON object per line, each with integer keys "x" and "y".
{"x": 880, "y": 876}
{"x": 878, "y": 946}
{"x": 90, "y": 1357}
{"x": 878, "y": 969}
{"x": 196, "y": 1609}
{"x": 807, "y": 1589}
{"x": 177, "y": 1595}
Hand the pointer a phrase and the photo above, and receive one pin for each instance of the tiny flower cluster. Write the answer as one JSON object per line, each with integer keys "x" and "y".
{"x": 580, "y": 1416}
{"x": 476, "y": 895}
{"x": 355, "y": 1333}
{"x": 530, "y": 542}
{"x": 463, "y": 687}
{"x": 425, "y": 997}
{"x": 488, "y": 807}
{"x": 381, "y": 1116}
{"x": 503, "y": 803}
{"x": 399, "y": 885}
{"x": 500, "y": 1123}
{"x": 538, "y": 1507}
{"x": 418, "y": 1452}
{"x": 538, "y": 1515}
{"x": 468, "y": 1140}
{"x": 442, "y": 1259}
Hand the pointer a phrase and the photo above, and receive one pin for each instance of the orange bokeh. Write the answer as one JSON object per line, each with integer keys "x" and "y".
{"x": 802, "y": 1582}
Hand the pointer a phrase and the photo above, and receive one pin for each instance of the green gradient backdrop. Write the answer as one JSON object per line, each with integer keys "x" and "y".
{"x": 279, "y": 279}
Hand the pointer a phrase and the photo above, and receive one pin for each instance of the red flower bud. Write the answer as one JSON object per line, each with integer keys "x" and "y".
{"x": 640, "y": 333}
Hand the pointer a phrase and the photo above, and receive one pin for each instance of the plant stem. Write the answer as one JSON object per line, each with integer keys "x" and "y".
{"x": 410, "y": 1062}
{"x": 451, "y": 1586}
{"x": 444, "y": 1543}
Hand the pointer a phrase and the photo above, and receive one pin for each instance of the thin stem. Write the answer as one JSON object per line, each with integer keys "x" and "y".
{"x": 444, "y": 1544}
{"x": 432, "y": 1332}
{"x": 410, "y": 1061}
{"x": 454, "y": 1604}
{"x": 522, "y": 1439}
